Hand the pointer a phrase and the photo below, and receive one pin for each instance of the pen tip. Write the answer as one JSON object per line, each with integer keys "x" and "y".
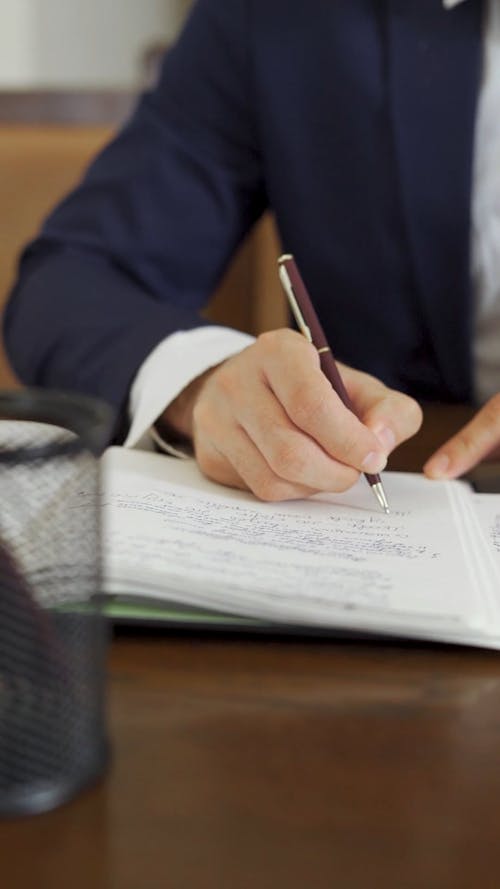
{"x": 379, "y": 492}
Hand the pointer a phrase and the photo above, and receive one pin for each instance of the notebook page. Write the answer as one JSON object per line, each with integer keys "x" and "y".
{"x": 334, "y": 559}
{"x": 487, "y": 509}
{"x": 477, "y": 551}
{"x": 485, "y": 564}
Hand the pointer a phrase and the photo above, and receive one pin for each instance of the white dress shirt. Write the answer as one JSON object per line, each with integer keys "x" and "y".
{"x": 184, "y": 355}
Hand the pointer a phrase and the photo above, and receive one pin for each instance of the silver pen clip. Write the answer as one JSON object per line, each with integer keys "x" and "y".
{"x": 297, "y": 314}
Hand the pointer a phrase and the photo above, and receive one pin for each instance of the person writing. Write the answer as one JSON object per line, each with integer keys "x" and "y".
{"x": 372, "y": 132}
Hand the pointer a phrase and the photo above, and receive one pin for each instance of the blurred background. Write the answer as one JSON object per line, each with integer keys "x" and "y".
{"x": 75, "y": 44}
{"x": 70, "y": 71}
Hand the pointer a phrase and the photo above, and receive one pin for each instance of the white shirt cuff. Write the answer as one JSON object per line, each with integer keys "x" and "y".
{"x": 169, "y": 368}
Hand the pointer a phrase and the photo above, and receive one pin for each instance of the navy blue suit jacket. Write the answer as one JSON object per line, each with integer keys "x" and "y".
{"x": 352, "y": 119}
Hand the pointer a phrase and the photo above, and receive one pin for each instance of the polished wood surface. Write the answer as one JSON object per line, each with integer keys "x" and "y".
{"x": 265, "y": 763}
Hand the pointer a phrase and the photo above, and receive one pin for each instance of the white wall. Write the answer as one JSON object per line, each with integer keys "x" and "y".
{"x": 17, "y": 44}
{"x": 81, "y": 43}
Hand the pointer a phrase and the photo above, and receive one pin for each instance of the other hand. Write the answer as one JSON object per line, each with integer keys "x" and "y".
{"x": 267, "y": 420}
{"x": 477, "y": 440}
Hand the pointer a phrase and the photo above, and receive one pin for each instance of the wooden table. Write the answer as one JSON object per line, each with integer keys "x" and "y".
{"x": 278, "y": 764}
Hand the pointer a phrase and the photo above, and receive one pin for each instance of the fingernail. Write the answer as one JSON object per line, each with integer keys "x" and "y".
{"x": 438, "y": 467}
{"x": 386, "y": 438}
{"x": 374, "y": 462}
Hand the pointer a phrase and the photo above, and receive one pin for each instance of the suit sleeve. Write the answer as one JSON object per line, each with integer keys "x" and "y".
{"x": 134, "y": 252}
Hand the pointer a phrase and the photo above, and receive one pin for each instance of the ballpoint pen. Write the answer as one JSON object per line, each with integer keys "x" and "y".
{"x": 309, "y": 325}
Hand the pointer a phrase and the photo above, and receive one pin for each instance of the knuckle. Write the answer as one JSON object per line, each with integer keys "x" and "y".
{"x": 208, "y": 461}
{"x": 269, "y": 340}
{"x": 347, "y": 445}
{"x": 407, "y": 413}
{"x": 202, "y": 415}
{"x": 413, "y": 413}
{"x": 345, "y": 481}
{"x": 268, "y": 488}
{"x": 281, "y": 341}
{"x": 307, "y": 407}
{"x": 288, "y": 461}
{"x": 225, "y": 382}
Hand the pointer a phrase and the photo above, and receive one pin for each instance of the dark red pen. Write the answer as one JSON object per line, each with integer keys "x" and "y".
{"x": 309, "y": 325}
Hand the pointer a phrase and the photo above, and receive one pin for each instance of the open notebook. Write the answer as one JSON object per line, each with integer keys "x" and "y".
{"x": 181, "y": 549}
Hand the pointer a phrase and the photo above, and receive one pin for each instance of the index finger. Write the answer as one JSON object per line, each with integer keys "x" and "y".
{"x": 293, "y": 373}
{"x": 391, "y": 415}
{"x": 476, "y": 440}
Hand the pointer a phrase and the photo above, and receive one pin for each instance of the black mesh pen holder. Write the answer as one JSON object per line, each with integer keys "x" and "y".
{"x": 52, "y": 634}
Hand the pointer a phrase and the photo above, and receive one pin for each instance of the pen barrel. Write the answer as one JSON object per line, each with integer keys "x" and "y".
{"x": 331, "y": 372}
{"x": 319, "y": 340}
{"x": 372, "y": 479}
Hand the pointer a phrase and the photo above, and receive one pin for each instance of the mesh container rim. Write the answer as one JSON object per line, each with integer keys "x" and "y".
{"x": 90, "y": 419}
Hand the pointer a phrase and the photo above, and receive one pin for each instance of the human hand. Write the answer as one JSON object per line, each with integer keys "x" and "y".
{"x": 268, "y": 420}
{"x": 478, "y": 439}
